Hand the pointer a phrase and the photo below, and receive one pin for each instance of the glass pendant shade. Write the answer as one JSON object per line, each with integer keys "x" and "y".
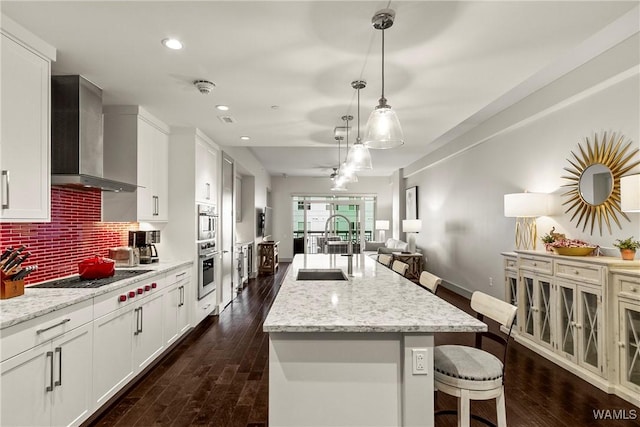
{"x": 338, "y": 184}
{"x": 359, "y": 157}
{"x": 347, "y": 173}
{"x": 383, "y": 129}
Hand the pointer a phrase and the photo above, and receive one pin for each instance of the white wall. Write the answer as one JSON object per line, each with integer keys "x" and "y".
{"x": 283, "y": 188}
{"x": 460, "y": 195}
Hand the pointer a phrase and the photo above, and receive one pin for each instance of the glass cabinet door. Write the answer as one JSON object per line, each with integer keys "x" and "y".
{"x": 590, "y": 353}
{"x": 566, "y": 320}
{"x": 526, "y": 325}
{"x": 630, "y": 345}
{"x": 544, "y": 311}
{"x": 512, "y": 292}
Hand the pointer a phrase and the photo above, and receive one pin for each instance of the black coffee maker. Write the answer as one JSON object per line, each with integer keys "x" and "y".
{"x": 144, "y": 243}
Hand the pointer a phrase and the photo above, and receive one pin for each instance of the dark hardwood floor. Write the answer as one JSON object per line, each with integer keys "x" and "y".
{"x": 218, "y": 376}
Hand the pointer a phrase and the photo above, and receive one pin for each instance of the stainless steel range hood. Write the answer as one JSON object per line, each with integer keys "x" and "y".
{"x": 76, "y": 136}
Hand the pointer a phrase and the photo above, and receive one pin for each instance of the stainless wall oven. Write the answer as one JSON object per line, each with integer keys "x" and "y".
{"x": 207, "y": 255}
{"x": 207, "y": 222}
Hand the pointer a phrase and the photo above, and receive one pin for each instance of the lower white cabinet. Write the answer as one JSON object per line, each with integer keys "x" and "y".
{"x": 49, "y": 384}
{"x": 176, "y": 314}
{"x": 127, "y": 338}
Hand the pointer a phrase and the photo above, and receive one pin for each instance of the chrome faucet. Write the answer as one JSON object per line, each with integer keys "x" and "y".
{"x": 349, "y": 244}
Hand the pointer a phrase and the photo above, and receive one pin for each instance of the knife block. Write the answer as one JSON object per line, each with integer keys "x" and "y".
{"x": 10, "y": 288}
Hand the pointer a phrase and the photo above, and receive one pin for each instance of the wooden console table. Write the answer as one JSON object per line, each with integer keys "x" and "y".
{"x": 267, "y": 257}
{"x": 413, "y": 260}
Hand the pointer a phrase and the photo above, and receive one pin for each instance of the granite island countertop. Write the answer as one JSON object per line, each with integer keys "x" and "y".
{"x": 374, "y": 299}
{"x": 39, "y": 301}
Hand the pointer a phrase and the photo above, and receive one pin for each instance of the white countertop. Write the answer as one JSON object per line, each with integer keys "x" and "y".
{"x": 375, "y": 299}
{"x": 40, "y": 301}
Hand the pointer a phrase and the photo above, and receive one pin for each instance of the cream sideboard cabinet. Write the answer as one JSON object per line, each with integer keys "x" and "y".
{"x": 25, "y": 69}
{"x": 581, "y": 313}
{"x": 626, "y": 370}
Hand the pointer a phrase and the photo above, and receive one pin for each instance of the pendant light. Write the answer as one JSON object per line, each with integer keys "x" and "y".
{"x": 383, "y": 126}
{"x": 359, "y": 157}
{"x": 347, "y": 170}
{"x": 338, "y": 180}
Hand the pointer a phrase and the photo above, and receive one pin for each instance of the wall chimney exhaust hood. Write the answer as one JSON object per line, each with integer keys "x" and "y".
{"x": 76, "y": 136}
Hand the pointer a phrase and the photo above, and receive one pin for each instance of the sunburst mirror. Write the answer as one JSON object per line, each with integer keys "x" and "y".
{"x": 594, "y": 188}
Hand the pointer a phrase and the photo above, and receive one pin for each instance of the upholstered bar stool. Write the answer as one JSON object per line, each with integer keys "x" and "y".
{"x": 400, "y": 267}
{"x": 429, "y": 281}
{"x": 470, "y": 373}
{"x": 384, "y": 259}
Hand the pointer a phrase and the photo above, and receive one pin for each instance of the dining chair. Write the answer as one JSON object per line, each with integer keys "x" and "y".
{"x": 429, "y": 281}
{"x": 400, "y": 267}
{"x": 470, "y": 373}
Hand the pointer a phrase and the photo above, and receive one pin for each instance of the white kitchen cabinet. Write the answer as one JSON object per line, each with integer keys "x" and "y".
{"x": 627, "y": 289}
{"x": 136, "y": 150}
{"x": 49, "y": 384}
{"x": 206, "y": 171}
{"x": 25, "y": 125}
{"x": 128, "y": 336}
{"x": 176, "y": 312}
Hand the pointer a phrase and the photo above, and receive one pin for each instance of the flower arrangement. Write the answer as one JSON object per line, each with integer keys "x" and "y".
{"x": 627, "y": 244}
{"x": 551, "y": 237}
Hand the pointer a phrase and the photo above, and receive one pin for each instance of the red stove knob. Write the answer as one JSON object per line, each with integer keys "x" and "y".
{"x": 132, "y": 294}
{"x": 140, "y": 290}
{"x": 122, "y": 298}
{"x": 154, "y": 285}
{"x": 147, "y": 288}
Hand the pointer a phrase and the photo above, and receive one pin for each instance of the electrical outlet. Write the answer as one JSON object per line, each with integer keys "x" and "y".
{"x": 490, "y": 281}
{"x": 419, "y": 361}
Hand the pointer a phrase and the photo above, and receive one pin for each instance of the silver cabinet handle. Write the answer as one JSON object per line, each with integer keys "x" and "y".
{"x": 181, "y": 274}
{"x": 50, "y": 386}
{"x": 140, "y": 319}
{"x": 208, "y": 187}
{"x": 137, "y": 331}
{"x": 156, "y": 208}
{"x": 181, "y": 289}
{"x": 62, "y": 322}
{"x": 59, "y": 382}
{"x": 5, "y": 173}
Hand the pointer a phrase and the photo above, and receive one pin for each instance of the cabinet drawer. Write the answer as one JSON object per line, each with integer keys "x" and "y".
{"x": 177, "y": 275}
{"x": 627, "y": 286}
{"x": 580, "y": 272}
{"x": 540, "y": 265}
{"x": 510, "y": 263}
{"x": 31, "y": 333}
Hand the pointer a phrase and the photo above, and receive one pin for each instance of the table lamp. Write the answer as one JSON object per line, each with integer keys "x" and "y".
{"x": 381, "y": 225}
{"x": 630, "y": 193}
{"x": 526, "y": 207}
{"x": 412, "y": 226}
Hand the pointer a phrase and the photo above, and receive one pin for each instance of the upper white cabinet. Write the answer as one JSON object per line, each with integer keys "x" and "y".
{"x": 206, "y": 170}
{"x": 136, "y": 150}
{"x": 25, "y": 125}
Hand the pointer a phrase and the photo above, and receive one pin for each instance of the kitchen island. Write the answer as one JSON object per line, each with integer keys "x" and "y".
{"x": 356, "y": 352}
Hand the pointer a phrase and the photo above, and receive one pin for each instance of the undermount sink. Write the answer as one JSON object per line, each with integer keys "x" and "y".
{"x": 321, "y": 274}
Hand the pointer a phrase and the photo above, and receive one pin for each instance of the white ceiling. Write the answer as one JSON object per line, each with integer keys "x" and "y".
{"x": 445, "y": 61}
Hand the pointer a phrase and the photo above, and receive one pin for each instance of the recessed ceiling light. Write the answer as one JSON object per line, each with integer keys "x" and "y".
{"x": 174, "y": 44}
{"x": 222, "y": 107}
{"x": 245, "y": 138}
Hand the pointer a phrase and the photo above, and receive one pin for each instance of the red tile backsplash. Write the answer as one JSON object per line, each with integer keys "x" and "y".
{"x": 74, "y": 233}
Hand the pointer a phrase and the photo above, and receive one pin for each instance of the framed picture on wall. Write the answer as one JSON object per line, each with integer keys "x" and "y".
{"x": 411, "y": 200}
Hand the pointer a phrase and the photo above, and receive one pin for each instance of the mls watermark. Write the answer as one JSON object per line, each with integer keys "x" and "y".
{"x": 615, "y": 414}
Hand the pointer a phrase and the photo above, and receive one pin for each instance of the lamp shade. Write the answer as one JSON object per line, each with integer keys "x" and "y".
{"x": 383, "y": 129}
{"x": 526, "y": 204}
{"x": 359, "y": 157}
{"x": 411, "y": 225}
{"x": 382, "y": 224}
{"x": 630, "y": 193}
